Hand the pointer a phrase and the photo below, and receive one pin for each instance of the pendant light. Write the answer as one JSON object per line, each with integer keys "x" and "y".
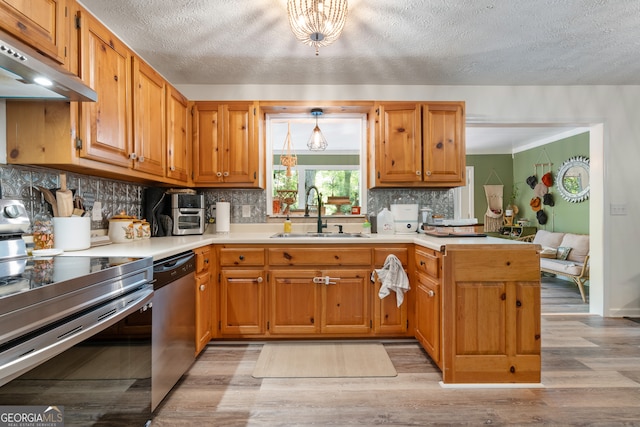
{"x": 317, "y": 141}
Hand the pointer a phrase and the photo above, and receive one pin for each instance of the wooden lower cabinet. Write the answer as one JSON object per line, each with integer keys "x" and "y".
{"x": 299, "y": 305}
{"x": 206, "y": 298}
{"x": 491, "y": 314}
{"x": 428, "y": 315}
{"x": 388, "y": 318}
{"x": 242, "y": 302}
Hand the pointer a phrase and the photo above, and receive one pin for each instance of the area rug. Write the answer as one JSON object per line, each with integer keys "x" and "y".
{"x": 323, "y": 360}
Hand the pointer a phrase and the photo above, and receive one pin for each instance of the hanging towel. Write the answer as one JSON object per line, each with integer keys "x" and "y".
{"x": 392, "y": 278}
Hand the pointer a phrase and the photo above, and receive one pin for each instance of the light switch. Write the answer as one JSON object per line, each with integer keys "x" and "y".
{"x": 618, "y": 209}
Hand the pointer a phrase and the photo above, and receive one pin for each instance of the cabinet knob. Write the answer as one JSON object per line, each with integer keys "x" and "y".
{"x": 241, "y": 257}
{"x": 431, "y": 293}
{"x": 202, "y": 287}
{"x": 225, "y": 173}
{"x": 259, "y": 280}
{"x": 133, "y": 156}
{"x": 428, "y": 173}
{"x": 418, "y": 173}
{"x": 172, "y": 168}
{"x": 141, "y": 159}
{"x": 218, "y": 174}
{"x": 422, "y": 262}
{"x": 206, "y": 260}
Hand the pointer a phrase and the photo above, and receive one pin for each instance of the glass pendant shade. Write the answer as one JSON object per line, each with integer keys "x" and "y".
{"x": 317, "y": 141}
{"x": 317, "y": 22}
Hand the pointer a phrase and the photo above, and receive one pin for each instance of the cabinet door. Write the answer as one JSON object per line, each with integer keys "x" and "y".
{"x": 345, "y": 303}
{"x": 226, "y": 143}
{"x": 428, "y": 316}
{"x": 207, "y": 143}
{"x": 294, "y": 302}
{"x": 178, "y": 141}
{"x": 388, "y": 318}
{"x": 203, "y": 310}
{"x": 240, "y": 159}
{"x": 105, "y": 125}
{"x": 443, "y": 143}
{"x": 40, "y": 24}
{"x": 399, "y": 147}
{"x": 149, "y": 130}
{"x": 242, "y": 302}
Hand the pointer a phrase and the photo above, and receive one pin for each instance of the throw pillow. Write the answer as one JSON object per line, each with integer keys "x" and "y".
{"x": 563, "y": 252}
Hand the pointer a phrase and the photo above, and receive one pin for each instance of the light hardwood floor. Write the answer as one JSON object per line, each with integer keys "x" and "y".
{"x": 590, "y": 373}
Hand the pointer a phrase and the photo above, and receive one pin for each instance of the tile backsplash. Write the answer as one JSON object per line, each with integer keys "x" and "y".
{"x": 20, "y": 182}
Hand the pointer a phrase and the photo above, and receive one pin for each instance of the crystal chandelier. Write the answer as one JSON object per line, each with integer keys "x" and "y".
{"x": 317, "y": 22}
{"x": 317, "y": 141}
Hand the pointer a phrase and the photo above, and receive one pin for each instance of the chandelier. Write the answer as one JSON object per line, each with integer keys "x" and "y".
{"x": 317, "y": 22}
{"x": 317, "y": 141}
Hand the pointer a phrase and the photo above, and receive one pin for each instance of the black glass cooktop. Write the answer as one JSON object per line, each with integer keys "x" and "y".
{"x": 29, "y": 273}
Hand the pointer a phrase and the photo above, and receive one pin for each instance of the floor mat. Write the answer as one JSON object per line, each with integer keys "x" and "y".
{"x": 323, "y": 360}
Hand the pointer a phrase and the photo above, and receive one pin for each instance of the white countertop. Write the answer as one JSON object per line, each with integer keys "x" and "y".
{"x": 162, "y": 247}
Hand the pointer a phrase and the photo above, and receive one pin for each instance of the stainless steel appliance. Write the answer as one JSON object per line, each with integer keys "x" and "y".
{"x": 74, "y": 332}
{"x": 188, "y": 213}
{"x": 174, "y": 336}
{"x": 21, "y": 67}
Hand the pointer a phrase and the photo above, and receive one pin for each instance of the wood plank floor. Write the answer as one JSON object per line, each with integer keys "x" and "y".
{"x": 590, "y": 373}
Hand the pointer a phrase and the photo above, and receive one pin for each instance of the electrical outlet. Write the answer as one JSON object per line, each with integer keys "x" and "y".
{"x": 246, "y": 211}
{"x": 96, "y": 212}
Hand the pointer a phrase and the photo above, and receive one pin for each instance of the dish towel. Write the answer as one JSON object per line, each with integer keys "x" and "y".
{"x": 393, "y": 278}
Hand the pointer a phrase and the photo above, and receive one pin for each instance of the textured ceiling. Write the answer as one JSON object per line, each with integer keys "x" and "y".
{"x": 402, "y": 42}
{"x": 424, "y": 42}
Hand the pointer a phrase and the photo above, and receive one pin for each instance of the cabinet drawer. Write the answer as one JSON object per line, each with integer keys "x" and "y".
{"x": 380, "y": 255}
{"x": 319, "y": 256}
{"x": 203, "y": 259}
{"x": 230, "y": 257}
{"x": 428, "y": 262}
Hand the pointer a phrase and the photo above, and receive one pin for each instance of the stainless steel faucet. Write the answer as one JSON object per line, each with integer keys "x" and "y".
{"x": 306, "y": 207}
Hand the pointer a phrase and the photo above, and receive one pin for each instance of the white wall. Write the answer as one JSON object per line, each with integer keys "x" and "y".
{"x": 610, "y": 111}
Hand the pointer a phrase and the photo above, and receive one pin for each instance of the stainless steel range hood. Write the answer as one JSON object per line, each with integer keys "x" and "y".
{"x": 21, "y": 68}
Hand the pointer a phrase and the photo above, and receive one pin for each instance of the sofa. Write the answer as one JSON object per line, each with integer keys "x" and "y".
{"x": 564, "y": 254}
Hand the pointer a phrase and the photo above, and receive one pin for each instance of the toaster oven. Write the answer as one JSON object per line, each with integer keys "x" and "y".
{"x": 188, "y": 214}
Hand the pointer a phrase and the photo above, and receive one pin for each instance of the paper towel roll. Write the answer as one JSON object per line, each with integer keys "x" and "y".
{"x": 223, "y": 217}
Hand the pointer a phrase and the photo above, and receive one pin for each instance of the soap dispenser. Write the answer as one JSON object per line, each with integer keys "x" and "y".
{"x": 287, "y": 225}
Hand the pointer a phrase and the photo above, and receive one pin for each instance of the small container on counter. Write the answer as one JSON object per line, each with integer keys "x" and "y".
{"x": 42, "y": 232}
{"x": 121, "y": 228}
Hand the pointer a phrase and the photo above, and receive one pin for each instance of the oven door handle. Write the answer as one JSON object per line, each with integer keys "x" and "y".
{"x": 34, "y": 349}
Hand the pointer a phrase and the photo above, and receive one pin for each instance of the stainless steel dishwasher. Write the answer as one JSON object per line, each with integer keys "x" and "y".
{"x": 173, "y": 337}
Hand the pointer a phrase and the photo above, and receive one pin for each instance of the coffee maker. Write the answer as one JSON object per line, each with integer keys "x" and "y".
{"x": 156, "y": 208}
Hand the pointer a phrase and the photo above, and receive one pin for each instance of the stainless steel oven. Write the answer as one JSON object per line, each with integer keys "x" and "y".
{"x": 76, "y": 334}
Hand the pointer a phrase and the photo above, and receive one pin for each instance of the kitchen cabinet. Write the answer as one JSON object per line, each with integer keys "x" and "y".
{"x": 149, "y": 127}
{"x": 388, "y": 318}
{"x": 205, "y": 297}
{"x": 242, "y": 293}
{"x": 491, "y": 314}
{"x": 178, "y": 140}
{"x": 105, "y": 66}
{"x": 428, "y": 301}
{"x": 420, "y": 144}
{"x": 43, "y": 25}
{"x": 225, "y": 144}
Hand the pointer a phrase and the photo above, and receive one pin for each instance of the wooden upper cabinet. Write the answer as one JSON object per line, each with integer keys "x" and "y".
{"x": 399, "y": 147}
{"x": 225, "y": 142}
{"x": 149, "y": 130}
{"x": 443, "y": 143}
{"x": 105, "y": 65}
{"x": 41, "y": 24}
{"x": 178, "y": 142}
{"x": 420, "y": 145}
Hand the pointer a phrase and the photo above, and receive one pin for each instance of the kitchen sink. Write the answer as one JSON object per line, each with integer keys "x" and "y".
{"x": 307, "y": 235}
